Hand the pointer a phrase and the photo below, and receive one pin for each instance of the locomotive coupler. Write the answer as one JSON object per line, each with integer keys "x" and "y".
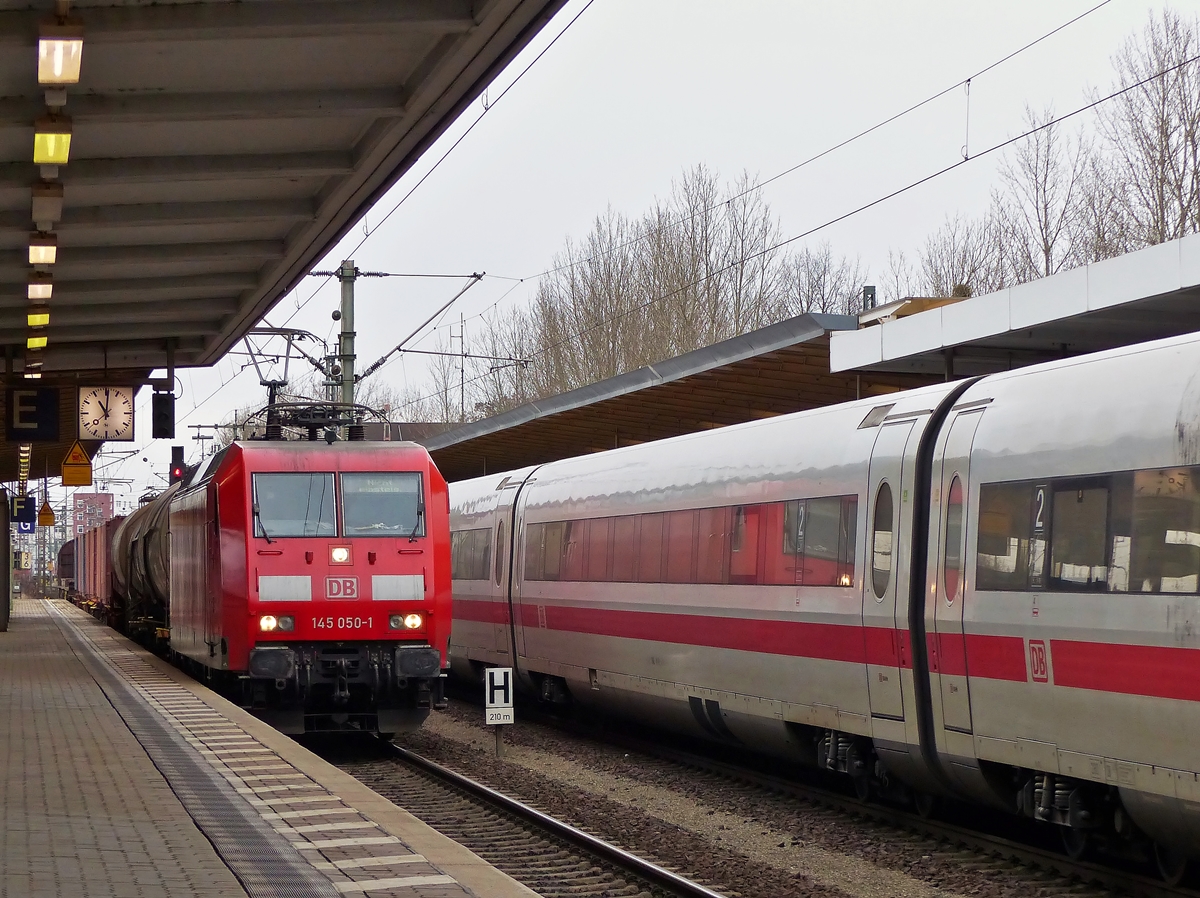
{"x": 341, "y": 691}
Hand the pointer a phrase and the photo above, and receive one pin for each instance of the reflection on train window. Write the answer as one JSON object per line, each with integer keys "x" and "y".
{"x": 294, "y": 505}
{"x": 745, "y": 544}
{"x": 470, "y": 554}
{"x": 1133, "y": 531}
{"x": 952, "y": 554}
{"x": 382, "y": 504}
{"x": 1005, "y": 513}
{"x": 1078, "y": 538}
{"x": 881, "y": 541}
{"x": 1165, "y": 554}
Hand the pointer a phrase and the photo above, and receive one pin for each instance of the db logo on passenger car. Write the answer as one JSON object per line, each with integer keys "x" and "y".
{"x": 1038, "y": 665}
{"x": 341, "y": 587}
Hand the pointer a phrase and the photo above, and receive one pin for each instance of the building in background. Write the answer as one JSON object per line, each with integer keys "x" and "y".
{"x": 91, "y": 510}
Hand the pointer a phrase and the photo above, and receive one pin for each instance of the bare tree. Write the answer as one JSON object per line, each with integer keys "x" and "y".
{"x": 1153, "y": 130}
{"x": 817, "y": 282}
{"x": 962, "y": 253}
{"x": 900, "y": 280}
{"x": 1038, "y": 210}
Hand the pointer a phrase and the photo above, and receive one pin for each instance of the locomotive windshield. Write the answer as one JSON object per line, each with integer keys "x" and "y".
{"x": 294, "y": 505}
{"x": 383, "y": 504}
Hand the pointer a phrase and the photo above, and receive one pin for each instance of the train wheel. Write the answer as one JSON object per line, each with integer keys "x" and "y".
{"x": 1172, "y": 864}
{"x": 926, "y": 804}
{"x": 862, "y": 787}
{"x": 1076, "y": 842}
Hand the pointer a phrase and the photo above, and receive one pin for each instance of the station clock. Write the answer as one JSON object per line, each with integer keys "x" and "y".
{"x": 106, "y": 413}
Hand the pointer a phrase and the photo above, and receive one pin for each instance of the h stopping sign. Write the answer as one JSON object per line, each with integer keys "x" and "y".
{"x": 498, "y": 695}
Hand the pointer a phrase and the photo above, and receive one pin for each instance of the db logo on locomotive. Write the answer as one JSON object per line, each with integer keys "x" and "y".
{"x": 341, "y": 587}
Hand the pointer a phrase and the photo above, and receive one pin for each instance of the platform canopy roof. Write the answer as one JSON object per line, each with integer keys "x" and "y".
{"x": 218, "y": 149}
{"x": 1140, "y": 296}
{"x": 778, "y": 369}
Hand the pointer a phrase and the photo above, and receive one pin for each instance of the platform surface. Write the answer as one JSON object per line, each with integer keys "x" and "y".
{"x": 123, "y": 778}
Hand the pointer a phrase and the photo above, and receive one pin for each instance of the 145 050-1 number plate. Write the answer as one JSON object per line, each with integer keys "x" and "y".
{"x": 342, "y": 623}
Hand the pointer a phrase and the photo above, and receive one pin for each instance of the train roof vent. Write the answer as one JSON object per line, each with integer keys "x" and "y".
{"x": 876, "y": 415}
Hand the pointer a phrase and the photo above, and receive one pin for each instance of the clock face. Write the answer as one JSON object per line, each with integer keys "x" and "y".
{"x": 106, "y": 413}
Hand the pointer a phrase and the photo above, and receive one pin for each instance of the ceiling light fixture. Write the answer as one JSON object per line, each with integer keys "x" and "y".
{"x": 43, "y": 249}
{"x": 51, "y": 140}
{"x": 60, "y": 53}
{"x": 36, "y": 342}
{"x": 47, "y": 204}
{"x": 41, "y": 286}
{"x": 38, "y": 318}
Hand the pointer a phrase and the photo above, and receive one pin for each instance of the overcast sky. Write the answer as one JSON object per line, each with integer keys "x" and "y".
{"x": 635, "y": 92}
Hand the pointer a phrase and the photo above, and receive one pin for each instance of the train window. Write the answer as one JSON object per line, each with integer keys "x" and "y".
{"x": 624, "y": 552}
{"x": 821, "y": 543}
{"x": 681, "y": 546}
{"x": 383, "y": 504}
{"x": 535, "y": 552}
{"x": 713, "y": 545}
{"x": 294, "y": 505}
{"x": 499, "y": 553}
{"x": 1079, "y": 538}
{"x": 598, "y": 536}
{"x": 1002, "y": 551}
{"x": 1165, "y": 546}
{"x": 470, "y": 554}
{"x": 554, "y": 548}
{"x": 847, "y": 541}
{"x": 574, "y": 546}
{"x": 650, "y": 549}
{"x": 881, "y": 541}
{"x": 744, "y": 566}
{"x": 952, "y": 566}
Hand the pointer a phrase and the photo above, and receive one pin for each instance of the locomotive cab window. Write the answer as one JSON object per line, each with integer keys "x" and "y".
{"x": 294, "y": 505}
{"x": 383, "y": 504}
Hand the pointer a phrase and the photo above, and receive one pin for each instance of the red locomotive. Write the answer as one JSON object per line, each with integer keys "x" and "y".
{"x": 311, "y": 581}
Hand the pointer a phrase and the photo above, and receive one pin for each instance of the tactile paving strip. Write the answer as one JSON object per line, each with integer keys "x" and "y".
{"x": 280, "y": 832}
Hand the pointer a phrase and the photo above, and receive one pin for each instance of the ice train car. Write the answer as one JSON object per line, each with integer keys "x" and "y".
{"x": 986, "y": 589}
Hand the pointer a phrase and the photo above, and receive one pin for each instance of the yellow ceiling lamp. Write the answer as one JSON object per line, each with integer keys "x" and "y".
{"x": 60, "y": 53}
{"x": 38, "y": 341}
{"x": 38, "y": 317}
{"x": 43, "y": 249}
{"x": 52, "y": 140}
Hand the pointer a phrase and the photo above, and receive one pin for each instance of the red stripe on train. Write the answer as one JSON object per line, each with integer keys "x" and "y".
{"x": 1162, "y": 671}
{"x": 990, "y": 657}
{"x": 830, "y": 642}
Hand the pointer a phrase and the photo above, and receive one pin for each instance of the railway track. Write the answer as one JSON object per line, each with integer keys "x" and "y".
{"x": 989, "y": 842}
{"x": 550, "y": 857}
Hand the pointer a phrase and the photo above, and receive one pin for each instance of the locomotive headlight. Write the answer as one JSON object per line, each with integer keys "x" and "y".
{"x": 339, "y": 554}
{"x": 406, "y": 621}
{"x": 268, "y": 622}
{"x": 287, "y": 623}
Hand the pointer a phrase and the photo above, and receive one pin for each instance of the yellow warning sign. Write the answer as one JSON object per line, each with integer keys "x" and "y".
{"x": 45, "y": 515}
{"x": 77, "y": 455}
{"x": 77, "y": 467}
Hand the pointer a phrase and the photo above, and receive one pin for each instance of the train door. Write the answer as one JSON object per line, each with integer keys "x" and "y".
{"x": 501, "y": 572}
{"x": 948, "y": 653}
{"x": 888, "y": 499}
